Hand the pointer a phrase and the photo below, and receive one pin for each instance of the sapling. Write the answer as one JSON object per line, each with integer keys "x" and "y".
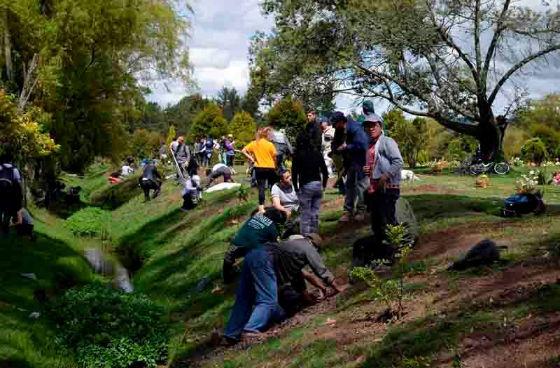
{"x": 389, "y": 291}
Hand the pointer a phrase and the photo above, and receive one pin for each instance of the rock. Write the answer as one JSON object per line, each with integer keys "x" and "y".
{"x": 30, "y": 276}
{"x": 202, "y": 284}
{"x": 34, "y": 315}
{"x": 122, "y": 280}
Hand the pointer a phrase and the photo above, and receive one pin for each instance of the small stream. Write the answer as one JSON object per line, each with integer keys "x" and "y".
{"x": 105, "y": 265}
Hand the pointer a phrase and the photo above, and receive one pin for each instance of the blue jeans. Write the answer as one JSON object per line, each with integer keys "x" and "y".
{"x": 257, "y": 286}
{"x": 355, "y": 188}
{"x": 310, "y": 202}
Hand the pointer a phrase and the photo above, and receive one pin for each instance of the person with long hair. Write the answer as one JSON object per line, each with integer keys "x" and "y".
{"x": 262, "y": 154}
{"x": 310, "y": 176}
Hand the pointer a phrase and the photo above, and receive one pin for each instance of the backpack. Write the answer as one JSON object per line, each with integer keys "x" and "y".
{"x": 9, "y": 194}
{"x": 522, "y": 204}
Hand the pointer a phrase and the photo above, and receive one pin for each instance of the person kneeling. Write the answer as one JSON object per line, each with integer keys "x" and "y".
{"x": 191, "y": 193}
{"x": 290, "y": 257}
{"x": 256, "y": 299}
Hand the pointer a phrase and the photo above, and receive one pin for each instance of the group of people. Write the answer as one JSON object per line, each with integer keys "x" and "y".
{"x": 272, "y": 282}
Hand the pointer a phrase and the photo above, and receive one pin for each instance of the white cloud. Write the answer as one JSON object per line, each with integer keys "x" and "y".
{"x": 209, "y": 57}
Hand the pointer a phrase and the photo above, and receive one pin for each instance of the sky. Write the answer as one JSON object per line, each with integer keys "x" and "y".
{"x": 218, "y": 47}
{"x": 219, "y": 43}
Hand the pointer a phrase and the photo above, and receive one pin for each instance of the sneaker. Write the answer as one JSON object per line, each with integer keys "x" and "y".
{"x": 346, "y": 217}
{"x": 359, "y": 217}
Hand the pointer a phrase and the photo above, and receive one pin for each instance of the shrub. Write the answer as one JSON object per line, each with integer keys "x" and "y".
{"x": 108, "y": 328}
{"x": 534, "y": 150}
{"x": 115, "y": 195}
{"x": 90, "y": 221}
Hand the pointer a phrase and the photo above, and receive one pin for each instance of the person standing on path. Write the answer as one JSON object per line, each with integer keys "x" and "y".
{"x": 262, "y": 154}
{"x": 354, "y": 149}
{"x": 383, "y": 168}
{"x": 182, "y": 155}
{"x": 310, "y": 178}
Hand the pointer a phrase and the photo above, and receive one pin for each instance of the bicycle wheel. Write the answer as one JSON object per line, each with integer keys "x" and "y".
{"x": 501, "y": 168}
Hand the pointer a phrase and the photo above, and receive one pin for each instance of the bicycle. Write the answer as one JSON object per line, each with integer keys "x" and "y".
{"x": 500, "y": 168}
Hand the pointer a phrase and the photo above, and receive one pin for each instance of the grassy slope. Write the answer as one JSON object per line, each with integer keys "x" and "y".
{"x": 182, "y": 252}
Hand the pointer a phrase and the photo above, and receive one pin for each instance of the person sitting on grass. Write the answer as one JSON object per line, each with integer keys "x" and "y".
{"x": 191, "y": 193}
{"x": 285, "y": 199}
{"x": 256, "y": 300}
{"x": 219, "y": 170}
{"x": 150, "y": 180}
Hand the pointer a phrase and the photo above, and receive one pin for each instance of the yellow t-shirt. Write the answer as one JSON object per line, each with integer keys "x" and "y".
{"x": 264, "y": 153}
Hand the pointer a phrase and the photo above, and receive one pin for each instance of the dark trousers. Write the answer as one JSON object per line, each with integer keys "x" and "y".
{"x": 265, "y": 177}
{"x": 381, "y": 205}
{"x": 5, "y": 217}
{"x": 146, "y": 185}
{"x": 257, "y": 288}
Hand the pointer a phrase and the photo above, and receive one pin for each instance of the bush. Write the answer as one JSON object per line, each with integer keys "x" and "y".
{"x": 533, "y": 150}
{"x": 108, "y": 328}
{"x": 90, "y": 221}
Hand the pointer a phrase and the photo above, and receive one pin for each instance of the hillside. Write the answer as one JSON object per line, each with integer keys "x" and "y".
{"x": 503, "y": 316}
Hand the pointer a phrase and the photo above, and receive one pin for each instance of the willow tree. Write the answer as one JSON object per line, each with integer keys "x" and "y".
{"x": 449, "y": 60}
{"x": 85, "y": 62}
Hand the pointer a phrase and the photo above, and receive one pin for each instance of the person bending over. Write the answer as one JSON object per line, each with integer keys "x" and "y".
{"x": 217, "y": 171}
{"x": 290, "y": 257}
{"x": 256, "y": 299}
{"x": 150, "y": 180}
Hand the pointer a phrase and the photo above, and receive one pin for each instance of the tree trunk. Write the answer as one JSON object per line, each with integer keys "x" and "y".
{"x": 7, "y": 41}
{"x": 490, "y": 138}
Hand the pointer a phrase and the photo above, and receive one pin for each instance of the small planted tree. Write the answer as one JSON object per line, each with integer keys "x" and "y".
{"x": 391, "y": 291}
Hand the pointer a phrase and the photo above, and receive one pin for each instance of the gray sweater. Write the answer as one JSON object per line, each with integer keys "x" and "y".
{"x": 291, "y": 256}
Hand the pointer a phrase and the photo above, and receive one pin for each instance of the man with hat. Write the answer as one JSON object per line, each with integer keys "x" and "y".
{"x": 383, "y": 167}
{"x": 354, "y": 150}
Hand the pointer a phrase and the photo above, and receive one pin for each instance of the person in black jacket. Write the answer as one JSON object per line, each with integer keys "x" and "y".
{"x": 11, "y": 191}
{"x": 310, "y": 176}
{"x": 150, "y": 180}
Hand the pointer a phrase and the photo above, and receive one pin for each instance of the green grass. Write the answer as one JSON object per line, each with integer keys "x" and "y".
{"x": 170, "y": 253}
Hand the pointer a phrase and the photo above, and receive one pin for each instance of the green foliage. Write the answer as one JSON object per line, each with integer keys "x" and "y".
{"x": 144, "y": 143}
{"x": 289, "y": 114}
{"x": 391, "y": 291}
{"x": 411, "y": 136}
{"x": 90, "y": 221}
{"x": 540, "y": 119}
{"x": 22, "y": 134}
{"x": 534, "y": 150}
{"x": 210, "y": 121}
{"x": 182, "y": 114}
{"x": 171, "y": 135}
{"x": 243, "y": 128}
{"x": 109, "y": 328}
{"x": 111, "y": 196}
{"x": 79, "y": 60}
{"x": 513, "y": 141}
{"x": 229, "y": 101}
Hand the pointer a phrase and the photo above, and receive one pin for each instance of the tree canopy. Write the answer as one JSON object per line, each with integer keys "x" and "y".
{"x": 85, "y": 61}
{"x": 448, "y": 60}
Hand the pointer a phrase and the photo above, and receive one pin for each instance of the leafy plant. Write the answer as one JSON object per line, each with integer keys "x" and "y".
{"x": 243, "y": 193}
{"x": 391, "y": 291}
{"x": 534, "y": 150}
{"x": 90, "y": 221}
{"x": 108, "y": 328}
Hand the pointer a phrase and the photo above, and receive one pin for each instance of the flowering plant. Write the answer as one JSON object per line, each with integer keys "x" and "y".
{"x": 556, "y": 178}
{"x": 527, "y": 183}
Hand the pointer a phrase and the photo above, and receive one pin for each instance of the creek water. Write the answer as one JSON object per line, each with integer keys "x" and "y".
{"x": 106, "y": 265}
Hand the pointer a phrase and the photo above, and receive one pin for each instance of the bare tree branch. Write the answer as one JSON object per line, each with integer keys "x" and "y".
{"x": 494, "y": 43}
{"x": 518, "y": 66}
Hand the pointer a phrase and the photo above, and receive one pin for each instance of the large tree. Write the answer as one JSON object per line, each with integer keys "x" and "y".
{"x": 230, "y": 102}
{"x": 444, "y": 59}
{"x": 84, "y": 61}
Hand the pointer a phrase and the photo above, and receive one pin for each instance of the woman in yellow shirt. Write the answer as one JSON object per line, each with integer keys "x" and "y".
{"x": 262, "y": 154}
